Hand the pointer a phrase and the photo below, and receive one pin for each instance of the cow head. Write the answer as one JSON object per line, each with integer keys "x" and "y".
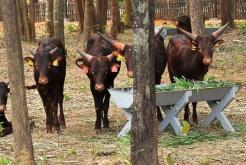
{"x": 123, "y": 49}
{"x": 184, "y": 23}
{"x": 43, "y": 62}
{"x": 4, "y": 90}
{"x": 97, "y": 68}
{"x": 204, "y": 45}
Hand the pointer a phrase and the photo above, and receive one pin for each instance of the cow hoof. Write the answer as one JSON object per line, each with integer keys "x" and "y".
{"x": 63, "y": 126}
{"x": 49, "y": 128}
{"x": 107, "y": 129}
{"x": 98, "y": 131}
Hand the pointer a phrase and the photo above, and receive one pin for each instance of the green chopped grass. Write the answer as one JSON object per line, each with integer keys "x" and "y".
{"x": 183, "y": 83}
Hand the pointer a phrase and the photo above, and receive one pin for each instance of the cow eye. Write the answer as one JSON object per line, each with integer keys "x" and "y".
{"x": 105, "y": 72}
{"x": 93, "y": 73}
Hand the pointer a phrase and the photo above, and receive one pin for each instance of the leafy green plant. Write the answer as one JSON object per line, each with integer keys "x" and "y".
{"x": 4, "y": 160}
{"x": 183, "y": 83}
{"x": 242, "y": 28}
{"x": 70, "y": 28}
{"x": 170, "y": 160}
{"x": 1, "y": 129}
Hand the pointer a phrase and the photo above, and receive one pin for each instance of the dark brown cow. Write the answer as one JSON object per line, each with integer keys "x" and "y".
{"x": 49, "y": 64}
{"x": 184, "y": 22}
{"x": 160, "y": 57}
{"x": 6, "y": 126}
{"x": 99, "y": 63}
{"x": 190, "y": 55}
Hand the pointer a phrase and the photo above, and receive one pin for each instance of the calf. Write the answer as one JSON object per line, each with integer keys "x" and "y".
{"x": 6, "y": 126}
{"x": 160, "y": 56}
{"x": 190, "y": 55}
{"x": 49, "y": 64}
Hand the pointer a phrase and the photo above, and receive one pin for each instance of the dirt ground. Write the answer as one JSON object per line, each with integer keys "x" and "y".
{"x": 79, "y": 143}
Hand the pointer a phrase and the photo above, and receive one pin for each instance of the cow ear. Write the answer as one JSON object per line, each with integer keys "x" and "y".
{"x": 115, "y": 68}
{"x": 218, "y": 42}
{"x": 85, "y": 68}
{"x": 29, "y": 60}
{"x": 194, "y": 46}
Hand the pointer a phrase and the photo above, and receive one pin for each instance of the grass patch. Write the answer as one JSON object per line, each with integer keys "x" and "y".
{"x": 4, "y": 160}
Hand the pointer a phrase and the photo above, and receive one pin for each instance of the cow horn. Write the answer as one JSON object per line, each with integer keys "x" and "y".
{"x": 53, "y": 50}
{"x": 32, "y": 53}
{"x": 217, "y": 33}
{"x": 116, "y": 44}
{"x": 85, "y": 55}
{"x": 188, "y": 34}
{"x": 110, "y": 57}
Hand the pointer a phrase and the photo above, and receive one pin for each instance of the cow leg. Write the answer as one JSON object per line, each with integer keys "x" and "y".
{"x": 105, "y": 109}
{"x": 46, "y": 104}
{"x": 194, "y": 113}
{"x": 159, "y": 114}
{"x": 187, "y": 113}
{"x": 98, "y": 100}
{"x": 61, "y": 115}
{"x": 54, "y": 110}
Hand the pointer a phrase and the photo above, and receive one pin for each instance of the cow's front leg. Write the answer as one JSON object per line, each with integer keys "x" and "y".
{"x": 105, "y": 109}
{"x": 46, "y": 104}
{"x": 54, "y": 109}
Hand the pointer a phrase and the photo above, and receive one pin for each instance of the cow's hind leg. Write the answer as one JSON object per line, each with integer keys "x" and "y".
{"x": 54, "y": 110}
{"x": 194, "y": 113}
{"x": 187, "y": 113}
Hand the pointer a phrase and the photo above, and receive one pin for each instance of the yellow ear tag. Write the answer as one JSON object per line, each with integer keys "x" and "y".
{"x": 193, "y": 47}
{"x": 30, "y": 63}
{"x": 120, "y": 58}
{"x": 55, "y": 63}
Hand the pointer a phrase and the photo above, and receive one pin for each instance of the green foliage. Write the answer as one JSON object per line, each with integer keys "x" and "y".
{"x": 170, "y": 160}
{"x": 185, "y": 127}
{"x": 71, "y": 28}
{"x": 4, "y": 160}
{"x": 66, "y": 97}
{"x": 124, "y": 18}
{"x": 183, "y": 83}
{"x": 242, "y": 27}
{"x": 1, "y": 129}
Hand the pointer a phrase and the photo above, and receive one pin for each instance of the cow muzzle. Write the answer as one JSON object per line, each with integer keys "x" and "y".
{"x": 2, "y": 108}
{"x": 99, "y": 87}
{"x": 43, "y": 80}
{"x": 207, "y": 61}
{"x": 130, "y": 74}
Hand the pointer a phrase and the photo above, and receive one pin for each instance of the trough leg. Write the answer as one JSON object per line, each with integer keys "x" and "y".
{"x": 218, "y": 108}
{"x": 127, "y": 126}
{"x": 172, "y": 112}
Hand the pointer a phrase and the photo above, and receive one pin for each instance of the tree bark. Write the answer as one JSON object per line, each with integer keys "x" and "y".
{"x": 128, "y": 11}
{"x": 88, "y": 22}
{"x": 144, "y": 124}
{"x": 58, "y": 17}
{"x": 196, "y": 16}
{"x": 115, "y": 19}
{"x": 22, "y": 135}
{"x": 49, "y": 23}
{"x": 99, "y": 15}
{"x": 227, "y": 12}
{"x": 32, "y": 20}
{"x": 26, "y": 22}
{"x": 80, "y": 14}
{"x": 104, "y": 15}
{"x": 20, "y": 21}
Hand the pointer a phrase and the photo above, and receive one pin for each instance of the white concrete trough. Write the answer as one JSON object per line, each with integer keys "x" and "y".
{"x": 172, "y": 102}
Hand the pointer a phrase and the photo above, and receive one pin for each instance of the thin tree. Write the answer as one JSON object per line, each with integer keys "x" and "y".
{"x": 144, "y": 124}
{"x": 58, "y": 17}
{"x": 49, "y": 23}
{"x": 104, "y": 14}
{"x": 227, "y": 12}
{"x": 128, "y": 12}
{"x": 99, "y": 10}
{"x": 23, "y": 148}
{"x": 32, "y": 19}
{"x": 26, "y": 22}
{"x": 196, "y": 15}
{"x": 80, "y": 14}
{"x": 88, "y": 22}
{"x": 115, "y": 19}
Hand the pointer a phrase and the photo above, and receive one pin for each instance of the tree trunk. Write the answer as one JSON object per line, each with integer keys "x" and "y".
{"x": 49, "y": 23}
{"x": 99, "y": 11}
{"x": 115, "y": 19}
{"x": 104, "y": 15}
{"x": 227, "y": 12}
{"x": 80, "y": 14}
{"x": 58, "y": 17}
{"x": 20, "y": 21}
{"x": 196, "y": 16}
{"x": 128, "y": 11}
{"x": 32, "y": 20}
{"x": 25, "y": 19}
{"x": 88, "y": 22}
{"x": 22, "y": 134}
{"x": 144, "y": 124}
